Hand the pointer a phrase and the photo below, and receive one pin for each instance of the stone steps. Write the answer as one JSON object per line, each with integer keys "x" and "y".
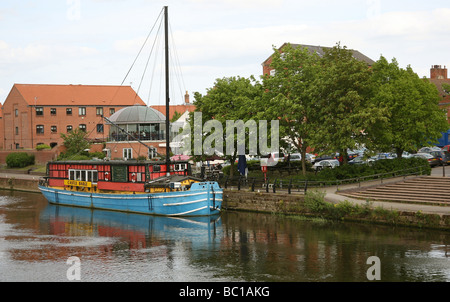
{"x": 425, "y": 190}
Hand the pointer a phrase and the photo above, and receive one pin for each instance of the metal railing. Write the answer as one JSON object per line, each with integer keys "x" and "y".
{"x": 274, "y": 185}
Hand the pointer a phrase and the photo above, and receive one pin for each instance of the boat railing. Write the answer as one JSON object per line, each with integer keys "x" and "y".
{"x": 139, "y": 136}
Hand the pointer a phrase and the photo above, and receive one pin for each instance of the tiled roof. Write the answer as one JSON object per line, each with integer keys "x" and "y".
{"x": 78, "y": 95}
{"x": 172, "y": 108}
{"x": 320, "y": 51}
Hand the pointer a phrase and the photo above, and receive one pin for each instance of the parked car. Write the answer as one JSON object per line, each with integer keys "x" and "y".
{"x": 428, "y": 149}
{"x": 310, "y": 157}
{"x": 358, "y": 161}
{"x": 433, "y": 161}
{"x": 326, "y": 163}
{"x": 277, "y": 156}
{"x": 323, "y": 157}
{"x": 293, "y": 157}
{"x": 441, "y": 156}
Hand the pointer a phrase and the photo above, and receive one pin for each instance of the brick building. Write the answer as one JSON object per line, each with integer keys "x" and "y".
{"x": 314, "y": 49}
{"x": 37, "y": 114}
{"x": 438, "y": 76}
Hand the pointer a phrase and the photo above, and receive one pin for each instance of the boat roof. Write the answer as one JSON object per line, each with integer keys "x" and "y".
{"x": 116, "y": 162}
{"x": 166, "y": 180}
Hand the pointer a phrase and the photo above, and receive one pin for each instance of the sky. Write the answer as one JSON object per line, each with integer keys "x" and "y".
{"x": 94, "y": 42}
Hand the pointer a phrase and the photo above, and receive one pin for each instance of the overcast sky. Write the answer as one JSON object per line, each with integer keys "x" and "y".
{"x": 95, "y": 41}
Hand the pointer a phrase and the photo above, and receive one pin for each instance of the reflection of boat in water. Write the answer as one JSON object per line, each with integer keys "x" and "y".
{"x": 136, "y": 228}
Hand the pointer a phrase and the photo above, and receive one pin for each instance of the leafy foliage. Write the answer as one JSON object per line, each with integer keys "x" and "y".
{"x": 75, "y": 142}
{"x": 233, "y": 99}
{"x": 342, "y": 91}
{"x": 414, "y": 118}
{"x": 288, "y": 96}
{"x": 19, "y": 160}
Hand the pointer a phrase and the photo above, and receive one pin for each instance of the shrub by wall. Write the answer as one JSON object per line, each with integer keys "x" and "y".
{"x": 19, "y": 160}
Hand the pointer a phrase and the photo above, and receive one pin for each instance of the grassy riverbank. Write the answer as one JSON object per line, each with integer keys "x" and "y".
{"x": 314, "y": 204}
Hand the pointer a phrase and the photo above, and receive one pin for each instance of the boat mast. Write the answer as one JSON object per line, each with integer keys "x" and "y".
{"x": 166, "y": 30}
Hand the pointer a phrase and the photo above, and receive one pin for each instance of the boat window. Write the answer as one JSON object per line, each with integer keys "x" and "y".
{"x": 180, "y": 167}
{"x": 156, "y": 168}
{"x": 84, "y": 175}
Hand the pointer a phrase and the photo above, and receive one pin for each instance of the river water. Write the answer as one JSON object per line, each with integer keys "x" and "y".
{"x": 38, "y": 242}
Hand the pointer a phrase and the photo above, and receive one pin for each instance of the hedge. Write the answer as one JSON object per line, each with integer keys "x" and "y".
{"x": 19, "y": 160}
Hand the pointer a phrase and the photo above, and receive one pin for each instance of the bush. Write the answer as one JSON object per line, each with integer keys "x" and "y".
{"x": 19, "y": 160}
{"x": 377, "y": 167}
{"x": 43, "y": 147}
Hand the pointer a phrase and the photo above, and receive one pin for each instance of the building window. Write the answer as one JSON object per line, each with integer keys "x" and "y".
{"x": 16, "y": 112}
{"x": 54, "y": 129}
{"x": 69, "y": 128}
{"x": 83, "y": 127}
{"x": 17, "y": 130}
{"x": 52, "y": 111}
{"x": 68, "y": 111}
{"x": 39, "y": 111}
{"x": 127, "y": 153}
{"x": 82, "y": 111}
{"x": 99, "y": 128}
{"x": 40, "y": 129}
{"x": 112, "y": 111}
{"x": 99, "y": 110}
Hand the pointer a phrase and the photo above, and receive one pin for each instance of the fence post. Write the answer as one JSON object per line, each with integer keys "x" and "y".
{"x": 267, "y": 186}
{"x": 253, "y": 185}
{"x": 226, "y": 182}
{"x": 239, "y": 184}
{"x": 290, "y": 185}
{"x": 306, "y": 185}
{"x": 274, "y": 185}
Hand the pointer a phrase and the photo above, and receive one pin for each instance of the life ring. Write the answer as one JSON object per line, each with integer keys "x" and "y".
{"x": 133, "y": 177}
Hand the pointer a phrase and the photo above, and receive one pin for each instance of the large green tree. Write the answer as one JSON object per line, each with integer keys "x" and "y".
{"x": 342, "y": 92}
{"x": 414, "y": 118}
{"x": 288, "y": 96}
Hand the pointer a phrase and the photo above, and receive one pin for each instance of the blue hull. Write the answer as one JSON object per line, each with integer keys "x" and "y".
{"x": 203, "y": 199}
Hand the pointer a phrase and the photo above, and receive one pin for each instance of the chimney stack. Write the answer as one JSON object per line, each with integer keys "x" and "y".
{"x": 186, "y": 98}
{"x": 437, "y": 72}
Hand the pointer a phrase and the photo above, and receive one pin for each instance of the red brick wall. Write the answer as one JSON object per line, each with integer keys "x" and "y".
{"x": 25, "y": 121}
{"x": 437, "y": 72}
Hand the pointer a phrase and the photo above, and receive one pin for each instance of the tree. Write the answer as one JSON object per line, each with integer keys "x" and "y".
{"x": 414, "y": 118}
{"x": 342, "y": 92}
{"x": 175, "y": 117}
{"x": 75, "y": 142}
{"x": 288, "y": 96}
{"x": 230, "y": 99}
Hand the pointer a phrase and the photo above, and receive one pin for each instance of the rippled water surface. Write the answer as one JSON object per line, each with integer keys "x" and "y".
{"x": 37, "y": 239}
